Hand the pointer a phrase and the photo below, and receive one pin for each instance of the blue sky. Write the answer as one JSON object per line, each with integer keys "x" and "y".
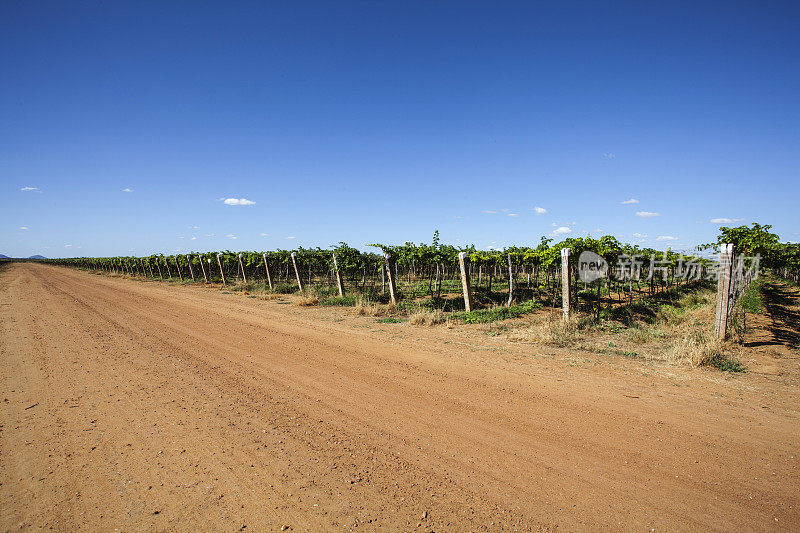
{"x": 125, "y": 126}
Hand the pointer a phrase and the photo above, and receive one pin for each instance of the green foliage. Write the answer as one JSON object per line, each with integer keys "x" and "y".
{"x": 752, "y": 301}
{"x": 727, "y": 364}
{"x": 497, "y": 313}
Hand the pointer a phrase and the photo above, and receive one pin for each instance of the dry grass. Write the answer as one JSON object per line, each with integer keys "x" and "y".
{"x": 426, "y": 318}
{"x": 549, "y": 331}
{"x": 681, "y": 335}
{"x": 307, "y": 300}
{"x": 697, "y": 347}
{"x": 365, "y": 307}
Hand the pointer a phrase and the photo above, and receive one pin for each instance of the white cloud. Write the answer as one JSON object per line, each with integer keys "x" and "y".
{"x": 23, "y": 227}
{"x": 265, "y": 234}
{"x": 209, "y": 235}
{"x": 725, "y": 220}
{"x": 194, "y": 227}
{"x": 539, "y": 210}
{"x": 230, "y": 236}
{"x": 238, "y": 201}
{"x": 553, "y": 224}
{"x": 563, "y": 230}
{"x": 609, "y": 155}
{"x": 647, "y": 214}
{"x": 505, "y": 210}
{"x": 490, "y": 212}
{"x": 27, "y": 189}
{"x": 630, "y": 201}
{"x": 513, "y": 215}
{"x": 193, "y": 238}
{"x": 181, "y": 237}
{"x": 290, "y": 237}
{"x": 573, "y": 223}
{"x": 666, "y": 238}
{"x": 67, "y": 246}
{"x": 126, "y": 189}
{"x": 640, "y": 235}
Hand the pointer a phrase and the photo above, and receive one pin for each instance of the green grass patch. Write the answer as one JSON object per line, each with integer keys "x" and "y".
{"x": 481, "y": 316}
{"x": 348, "y": 300}
{"x": 726, "y": 364}
{"x": 752, "y": 300}
{"x": 390, "y": 320}
{"x": 284, "y": 288}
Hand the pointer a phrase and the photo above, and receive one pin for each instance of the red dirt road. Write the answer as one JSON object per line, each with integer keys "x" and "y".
{"x": 137, "y": 405}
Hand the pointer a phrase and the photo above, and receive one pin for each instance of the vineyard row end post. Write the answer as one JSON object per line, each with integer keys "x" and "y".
{"x": 222, "y": 272}
{"x": 723, "y": 290}
{"x": 390, "y": 272}
{"x": 510, "y": 282}
{"x": 266, "y": 269}
{"x": 241, "y": 265}
{"x": 463, "y": 263}
{"x": 565, "y": 282}
{"x": 339, "y": 280}
{"x": 297, "y": 272}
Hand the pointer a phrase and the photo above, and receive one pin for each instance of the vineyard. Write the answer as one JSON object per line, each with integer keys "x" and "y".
{"x": 514, "y": 280}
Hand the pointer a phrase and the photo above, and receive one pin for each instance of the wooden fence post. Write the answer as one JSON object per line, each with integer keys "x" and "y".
{"x": 178, "y": 268}
{"x": 208, "y": 262}
{"x": 203, "y": 269}
{"x": 339, "y": 281}
{"x": 221, "y": 272}
{"x": 189, "y": 262}
{"x": 266, "y": 268}
{"x": 510, "y": 282}
{"x": 390, "y": 272}
{"x": 723, "y": 290}
{"x": 297, "y": 272}
{"x": 241, "y": 265}
{"x": 463, "y": 264}
{"x": 565, "y": 282}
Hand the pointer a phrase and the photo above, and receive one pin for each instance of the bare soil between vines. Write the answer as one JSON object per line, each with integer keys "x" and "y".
{"x": 142, "y": 405}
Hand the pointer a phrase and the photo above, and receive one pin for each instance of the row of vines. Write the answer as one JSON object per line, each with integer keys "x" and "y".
{"x": 428, "y": 274}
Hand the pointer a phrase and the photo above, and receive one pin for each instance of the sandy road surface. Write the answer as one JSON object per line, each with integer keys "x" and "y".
{"x": 144, "y": 406}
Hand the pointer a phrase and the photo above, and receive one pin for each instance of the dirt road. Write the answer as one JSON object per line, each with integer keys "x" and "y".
{"x": 138, "y": 405}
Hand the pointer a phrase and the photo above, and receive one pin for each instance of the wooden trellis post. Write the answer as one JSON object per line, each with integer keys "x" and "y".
{"x": 189, "y": 262}
{"x": 203, "y": 269}
{"x": 339, "y": 280}
{"x": 178, "y": 268}
{"x": 297, "y": 272}
{"x": 241, "y": 265}
{"x": 510, "y": 282}
{"x": 390, "y": 273}
{"x": 266, "y": 268}
{"x": 723, "y": 290}
{"x": 222, "y": 272}
{"x": 466, "y": 288}
{"x": 565, "y": 282}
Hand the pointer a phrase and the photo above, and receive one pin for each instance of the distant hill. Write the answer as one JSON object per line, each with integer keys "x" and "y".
{"x": 4, "y": 256}
{"x": 37, "y": 257}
